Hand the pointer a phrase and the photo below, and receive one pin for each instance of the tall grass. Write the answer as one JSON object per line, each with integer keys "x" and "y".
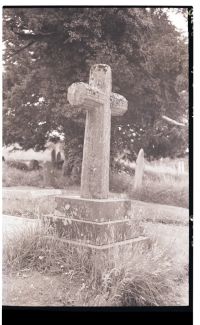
{"x": 16, "y": 177}
{"x": 38, "y": 249}
{"x": 163, "y": 189}
{"x": 150, "y": 278}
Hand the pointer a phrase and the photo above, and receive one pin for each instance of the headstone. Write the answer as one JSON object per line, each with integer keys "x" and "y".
{"x": 53, "y": 158}
{"x": 97, "y": 100}
{"x": 181, "y": 167}
{"x": 139, "y": 170}
{"x": 34, "y": 165}
{"x": 49, "y": 174}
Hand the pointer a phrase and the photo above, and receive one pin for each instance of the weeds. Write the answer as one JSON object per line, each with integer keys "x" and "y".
{"x": 16, "y": 177}
{"x": 150, "y": 278}
{"x": 164, "y": 189}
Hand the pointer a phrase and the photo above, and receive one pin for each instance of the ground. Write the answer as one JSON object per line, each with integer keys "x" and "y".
{"x": 31, "y": 288}
{"x": 36, "y": 289}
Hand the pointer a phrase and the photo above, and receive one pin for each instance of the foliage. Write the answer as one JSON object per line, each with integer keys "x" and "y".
{"x": 73, "y": 154}
{"x": 47, "y": 49}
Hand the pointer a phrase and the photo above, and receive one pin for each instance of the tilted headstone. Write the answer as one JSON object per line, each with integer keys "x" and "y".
{"x": 99, "y": 103}
{"x": 49, "y": 175}
{"x": 59, "y": 161}
{"x": 53, "y": 158}
{"x": 139, "y": 170}
{"x": 181, "y": 168}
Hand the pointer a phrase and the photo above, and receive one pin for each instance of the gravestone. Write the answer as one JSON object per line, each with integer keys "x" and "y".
{"x": 49, "y": 175}
{"x": 139, "y": 170}
{"x": 94, "y": 220}
{"x": 34, "y": 165}
{"x": 181, "y": 167}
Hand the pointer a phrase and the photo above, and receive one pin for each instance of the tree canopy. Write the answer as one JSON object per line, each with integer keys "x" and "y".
{"x": 47, "y": 49}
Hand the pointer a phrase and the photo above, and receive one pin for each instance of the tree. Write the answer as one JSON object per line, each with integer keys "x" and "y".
{"x": 47, "y": 49}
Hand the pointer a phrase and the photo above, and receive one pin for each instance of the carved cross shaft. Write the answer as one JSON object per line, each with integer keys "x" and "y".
{"x": 99, "y": 103}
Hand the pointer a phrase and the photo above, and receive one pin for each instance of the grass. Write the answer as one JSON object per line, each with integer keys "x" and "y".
{"x": 37, "y": 249}
{"x": 151, "y": 278}
{"x": 16, "y": 177}
{"x": 162, "y": 189}
{"x": 28, "y": 207}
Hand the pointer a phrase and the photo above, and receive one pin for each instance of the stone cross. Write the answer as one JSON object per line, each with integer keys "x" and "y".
{"x": 99, "y": 103}
{"x": 139, "y": 170}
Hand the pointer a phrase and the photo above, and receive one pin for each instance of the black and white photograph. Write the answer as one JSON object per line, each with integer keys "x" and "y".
{"x": 95, "y": 156}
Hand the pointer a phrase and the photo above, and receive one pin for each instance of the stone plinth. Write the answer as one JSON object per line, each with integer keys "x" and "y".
{"x": 97, "y": 224}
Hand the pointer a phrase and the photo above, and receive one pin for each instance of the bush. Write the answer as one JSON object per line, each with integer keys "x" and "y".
{"x": 73, "y": 159}
{"x": 17, "y": 164}
{"x": 34, "y": 165}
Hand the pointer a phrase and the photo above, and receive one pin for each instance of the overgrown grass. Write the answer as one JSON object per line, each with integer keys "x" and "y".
{"x": 163, "y": 189}
{"x": 16, "y": 177}
{"x": 151, "y": 278}
{"x": 38, "y": 249}
{"x": 27, "y": 206}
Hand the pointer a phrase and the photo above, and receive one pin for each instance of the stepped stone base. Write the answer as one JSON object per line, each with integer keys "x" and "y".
{"x": 112, "y": 255}
{"x": 104, "y": 226}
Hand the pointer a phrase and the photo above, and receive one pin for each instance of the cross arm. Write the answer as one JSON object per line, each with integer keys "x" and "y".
{"x": 81, "y": 94}
{"x": 118, "y": 104}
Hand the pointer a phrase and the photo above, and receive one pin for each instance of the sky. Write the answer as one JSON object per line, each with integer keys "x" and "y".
{"x": 179, "y": 21}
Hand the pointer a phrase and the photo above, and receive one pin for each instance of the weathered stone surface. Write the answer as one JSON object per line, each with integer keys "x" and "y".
{"x": 96, "y": 152}
{"x": 92, "y": 210}
{"x": 118, "y": 253}
{"x": 139, "y": 170}
{"x": 112, "y": 255}
{"x": 96, "y": 233}
{"x": 95, "y": 98}
{"x": 94, "y": 222}
{"x": 14, "y": 226}
{"x": 82, "y": 95}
